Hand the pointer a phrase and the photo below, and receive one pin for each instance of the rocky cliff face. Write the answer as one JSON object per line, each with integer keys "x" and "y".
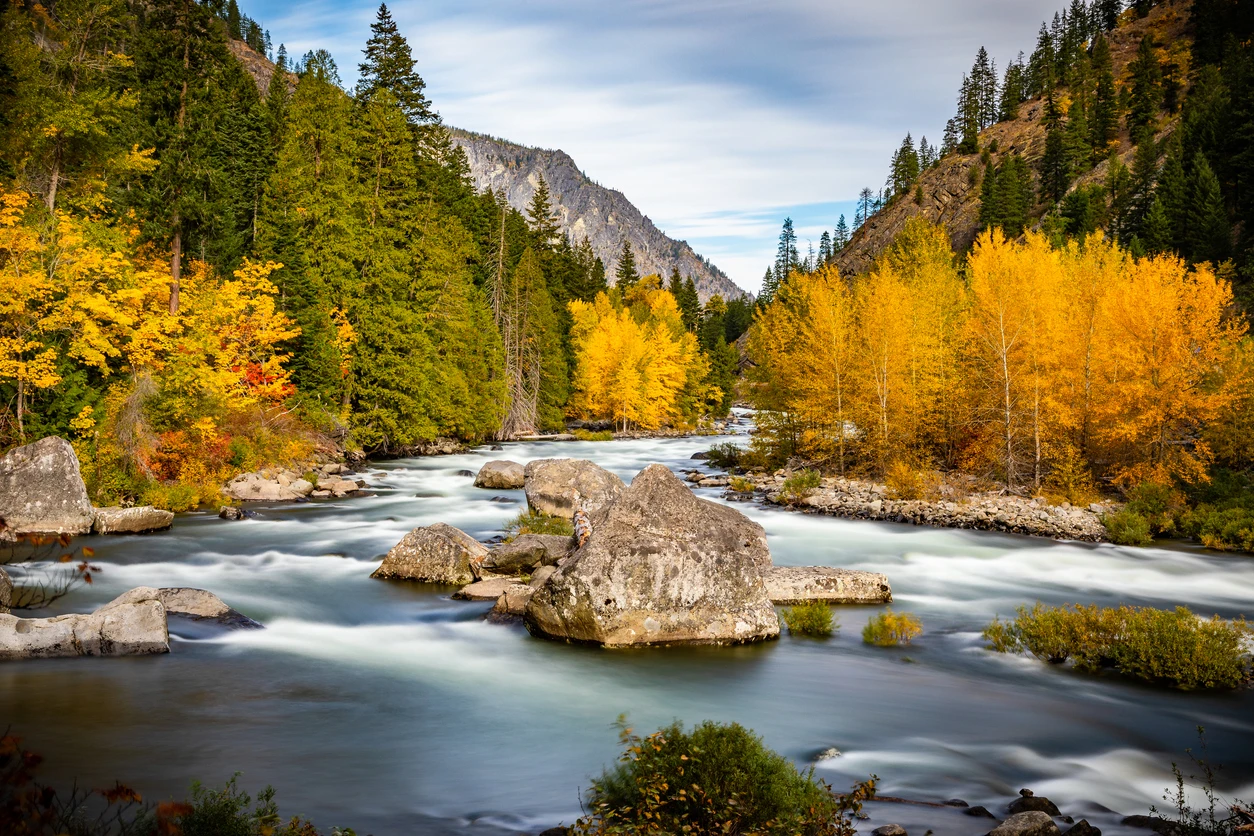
{"x": 951, "y": 190}
{"x": 587, "y": 210}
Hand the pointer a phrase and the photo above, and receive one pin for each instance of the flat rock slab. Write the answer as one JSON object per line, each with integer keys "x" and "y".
{"x": 527, "y": 552}
{"x": 491, "y": 589}
{"x": 42, "y": 491}
{"x": 501, "y": 474}
{"x": 1034, "y": 823}
{"x": 434, "y": 554}
{"x": 197, "y": 604}
{"x": 787, "y": 585}
{"x": 132, "y": 520}
{"x": 132, "y": 629}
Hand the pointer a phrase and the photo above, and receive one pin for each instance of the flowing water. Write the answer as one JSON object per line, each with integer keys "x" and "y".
{"x": 393, "y": 709}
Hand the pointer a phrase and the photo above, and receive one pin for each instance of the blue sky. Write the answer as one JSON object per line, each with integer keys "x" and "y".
{"x": 717, "y": 118}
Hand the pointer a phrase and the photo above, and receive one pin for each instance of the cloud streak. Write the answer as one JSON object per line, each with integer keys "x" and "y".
{"x": 715, "y": 117}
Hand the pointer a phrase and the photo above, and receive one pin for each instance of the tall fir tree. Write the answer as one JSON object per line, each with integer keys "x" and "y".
{"x": 542, "y": 219}
{"x": 825, "y": 247}
{"x": 840, "y": 236}
{"x": 1146, "y": 95}
{"x": 1054, "y": 171}
{"x": 1210, "y": 233}
{"x": 1104, "y": 117}
{"x": 625, "y": 274}
{"x": 787, "y": 258}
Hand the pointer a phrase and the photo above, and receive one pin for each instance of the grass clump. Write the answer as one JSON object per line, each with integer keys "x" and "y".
{"x": 810, "y": 618}
{"x": 715, "y": 779}
{"x": 532, "y": 522}
{"x": 740, "y": 484}
{"x": 1127, "y": 528}
{"x": 1168, "y": 647}
{"x": 889, "y": 629}
{"x": 800, "y": 485}
{"x": 594, "y": 435}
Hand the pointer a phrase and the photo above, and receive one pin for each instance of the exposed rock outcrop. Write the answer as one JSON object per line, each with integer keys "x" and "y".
{"x": 557, "y": 486}
{"x": 284, "y": 485}
{"x": 196, "y": 604}
{"x": 788, "y": 585}
{"x": 132, "y": 520}
{"x": 6, "y": 591}
{"x": 501, "y": 474}
{"x": 527, "y": 552}
{"x": 587, "y": 210}
{"x": 1034, "y": 823}
{"x": 660, "y": 567}
{"x": 129, "y": 629}
{"x": 42, "y": 491}
{"x": 434, "y": 554}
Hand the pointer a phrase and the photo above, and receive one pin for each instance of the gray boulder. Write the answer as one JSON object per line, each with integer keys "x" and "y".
{"x": 789, "y": 585}
{"x": 1031, "y": 823}
{"x": 501, "y": 474}
{"x": 231, "y": 512}
{"x": 889, "y": 830}
{"x": 527, "y": 552}
{"x": 196, "y": 604}
{"x": 253, "y": 487}
{"x": 42, "y": 491}
{"x": 6, "y": 591}
{"x": 434, "y": 554}
{"x": 132, "y": 520}
{"x": 661, "y": 566}
{"x": 1028, "y": 802}
{"x": 490, "y": 589}
{"x": 133, "y": 629}
{"x": 1083, "y": 828}
{"x": 513, "y": 601}
{"x": 557, "y": 486}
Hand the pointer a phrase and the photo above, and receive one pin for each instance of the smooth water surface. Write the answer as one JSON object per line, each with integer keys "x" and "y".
{"x": 393, "y": 709}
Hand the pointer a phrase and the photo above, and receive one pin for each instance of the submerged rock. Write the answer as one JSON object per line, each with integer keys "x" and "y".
{"x": 501, "y": 474}
{"x": 42, "y": 491}
{"x": 1031, "y": 823}
{"x": 196, "y": 604}
{"x": 661, "y": 566}
{"x": 133, "y": 629}
{"x": 231, "y": 512}
{"x": 527, "y": 552}
{"x": 132, "y": 520}
{"x": 434, "y": 554}
{"x": 787, "y": 585}
{"x": 557, "y": 486}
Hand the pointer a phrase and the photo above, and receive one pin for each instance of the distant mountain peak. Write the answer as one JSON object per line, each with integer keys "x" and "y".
{"x": 586, "y": 209}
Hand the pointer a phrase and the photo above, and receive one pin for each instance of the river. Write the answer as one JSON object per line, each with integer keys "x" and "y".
{"x": 390, "y": 708}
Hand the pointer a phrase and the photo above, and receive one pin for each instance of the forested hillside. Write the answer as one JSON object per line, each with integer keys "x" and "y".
{"x": 203, "y": 271}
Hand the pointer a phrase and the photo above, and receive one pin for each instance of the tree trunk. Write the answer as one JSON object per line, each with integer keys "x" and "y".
{"x": 176, "y": 266}
{"x": 21, "y": 407}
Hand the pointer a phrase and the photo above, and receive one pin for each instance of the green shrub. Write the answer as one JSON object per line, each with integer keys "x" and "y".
{"x": 889, "y": 629}
{"x": 800, "y": 485}
{"x": 1223, "y": 517}
{"x": 740, "y": 484}
{"x": 715, "y": 779}
{"x": 811, "y": 618}
{"x": 591, "y": 435}
{"x": 1171, "y": 647}
{"x": 1157, "y": 503}
{"x": 725, "y": 456}
{"x": 1127, "y": 528}
{"x": 531, "y": 522}
{"x": 906, "y": 482}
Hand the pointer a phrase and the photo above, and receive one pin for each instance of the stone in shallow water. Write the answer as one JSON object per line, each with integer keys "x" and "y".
{"x": 557, "y": 486}
{"x": 42, "y": 492}
{"x": 197, "y": 604}
{"x": 433, "y": 554}
{"x": 133, "y": 629}
{"x": 1031, "y": 823}
{"x": 1028, "y": 803}
{"x": 132, "y": 520}
{"x": 489, "y": 589}
{"x": 787, "y": 585}
{"x": 889, "y": 830}
{"x": 501, "y": 474}
{"x": 527, "y": 552}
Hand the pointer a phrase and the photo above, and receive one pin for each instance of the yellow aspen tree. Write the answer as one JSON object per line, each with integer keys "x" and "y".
{"x": 883, "y": 347}
{"x": 825, "y": 333}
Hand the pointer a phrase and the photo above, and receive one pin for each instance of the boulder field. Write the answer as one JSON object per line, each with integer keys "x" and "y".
{"x": 658, "y": 565}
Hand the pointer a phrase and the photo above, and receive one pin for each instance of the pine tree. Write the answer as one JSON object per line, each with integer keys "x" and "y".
{"x": 1013, "y": 91}
{"x": 969, "y": 116}
{"x": 234, "y": 22}
{"x": 1210, "y": 237}
{"x": 984, "y": 87}
{"x": 1077, "y": 140}
{"x": 840, "y": 236}
{"x": 1119, "y": 191}
{"x": 1155, "y": 232}
{"x": 770, "y": 284}
{"x": 990, "y": 212}
{"x": 1040, "y": 71}
{"x": 1144, "y": 175}
{"x": 1055, "y": 173}
{"x": 1104, "y": 118}
{"x": 1014, "y": 195}
{"x": 825, "y": 247}
{"x": 1146, "y": 95}
{"x": 905, "y": 168}
{"x": 866, "y": 207}
{"x": 787, "y": 259}
{"x": 690, "y": 305}
{"x": 1172, "y": 192}
{"x": 389, "y": 64}
{"x": 542, "y": 219}
{"x": 1106, "y": 13}
{"x": 625, "y": 275}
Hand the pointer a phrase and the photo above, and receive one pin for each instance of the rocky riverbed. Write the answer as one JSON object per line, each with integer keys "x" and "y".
{"x": 862, "y": 500}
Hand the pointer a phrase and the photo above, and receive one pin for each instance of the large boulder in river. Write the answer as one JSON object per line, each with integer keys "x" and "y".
{"x": 661, "y": 566}
{"x": 254, "y": 487}
{"x": 501, "y": 474}
{"x": 434, "y": 554}
{"x": 557, "y": 486}
{"x": 196, "y": 604}
{"x": 527, "y": 552}
{"x": 796, "y": 584}
{"x": 131, "y": 629}
{"x": 42, "y": 491}
{"x": 6, "y": 591}
{"x": 132, "y": 520}
{"x": 1034, "y": 823}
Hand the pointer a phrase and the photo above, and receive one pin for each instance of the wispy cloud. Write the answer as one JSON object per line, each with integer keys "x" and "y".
{"x": 715, "y": 117}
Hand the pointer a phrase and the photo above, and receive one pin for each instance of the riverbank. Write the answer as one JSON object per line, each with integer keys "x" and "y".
{"x": 863, "y": 500}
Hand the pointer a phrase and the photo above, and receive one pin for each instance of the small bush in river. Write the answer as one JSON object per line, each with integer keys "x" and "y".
{"x": 811, "y": 618}
{"x": 715, "y": 779}
{"x": 531, "y": 522}
{"x": 726, "y": 455}
{"x": 1128, "y": 528}
{"x": 590, "y": 435}
{"x": 1172, "y": 647}
{"x": 889, "y": 629}
{"x": 800, "y": 485}
{"x": 740, "y": 484}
